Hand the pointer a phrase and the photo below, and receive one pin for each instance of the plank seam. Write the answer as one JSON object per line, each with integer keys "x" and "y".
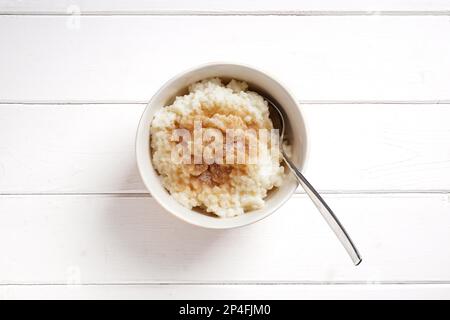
{"x": 306, "y": 102}
{"x": 299, "y": 193}
{"x": 235, "y": 283}
{"x": 300, "y": 13}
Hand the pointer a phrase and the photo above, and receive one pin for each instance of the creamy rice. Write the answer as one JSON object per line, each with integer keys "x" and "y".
{"x": 222, "y": 189}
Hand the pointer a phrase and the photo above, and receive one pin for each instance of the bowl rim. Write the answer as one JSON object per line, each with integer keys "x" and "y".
{"x": 222, "y": 225}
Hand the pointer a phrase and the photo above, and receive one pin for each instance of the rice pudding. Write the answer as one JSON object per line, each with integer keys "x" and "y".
{"x": 220, "y": 187}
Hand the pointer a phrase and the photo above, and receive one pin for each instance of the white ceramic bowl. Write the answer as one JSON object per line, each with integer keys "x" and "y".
{"x": 258, "y": 81}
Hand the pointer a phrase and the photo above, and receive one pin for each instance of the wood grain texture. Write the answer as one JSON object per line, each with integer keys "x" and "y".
{"x": 111, "y": 239}
{"x": 90, "y": 148}
{"x": 148, "y": 6}
{"x": 127, "y": 58}
{"x": 228, "y": 292}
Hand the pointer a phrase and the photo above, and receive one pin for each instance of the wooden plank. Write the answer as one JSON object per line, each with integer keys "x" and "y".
{"x": 228, "y": 292}
{"x": 90, "y": 148}
{"x": 58, "y": 149}
{"x": 104, "y": 6}
{"x": 126, "y": 240}
{"x": 127, "y": 58}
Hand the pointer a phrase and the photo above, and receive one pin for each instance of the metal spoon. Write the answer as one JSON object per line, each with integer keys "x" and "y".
{"x": 324, "y": 209}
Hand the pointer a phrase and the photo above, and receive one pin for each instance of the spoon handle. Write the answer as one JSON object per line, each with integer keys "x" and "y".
{"x": 327, "y": 213}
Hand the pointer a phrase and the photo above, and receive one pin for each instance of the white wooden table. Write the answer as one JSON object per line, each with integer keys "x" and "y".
{"x": 75, "y": 219}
